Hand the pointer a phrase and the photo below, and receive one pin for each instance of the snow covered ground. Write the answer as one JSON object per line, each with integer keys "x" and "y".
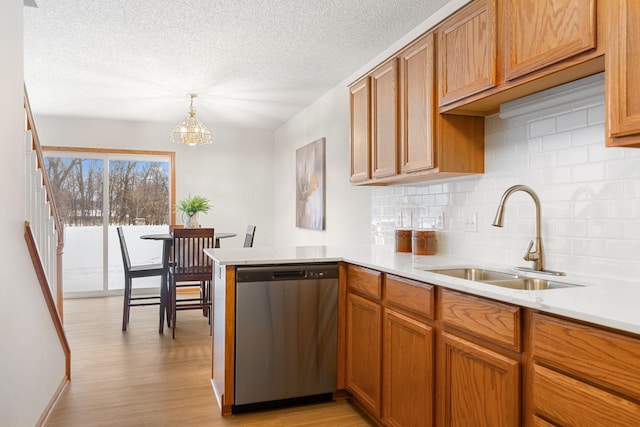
{"x": 82, "y": 261}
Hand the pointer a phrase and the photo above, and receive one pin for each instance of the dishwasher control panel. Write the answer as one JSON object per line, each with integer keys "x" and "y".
{"x": 286, "y": 272}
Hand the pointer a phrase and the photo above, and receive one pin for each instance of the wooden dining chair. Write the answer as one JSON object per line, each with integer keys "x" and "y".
{"x": 133, "y": 272}
{"x": 248, "y": 238}
{"x": 190, "y": 265}
{"x": 205, "y": 311}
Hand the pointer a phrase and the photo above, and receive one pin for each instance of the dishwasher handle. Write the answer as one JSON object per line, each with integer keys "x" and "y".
{"x": 271, "y": 273}
{"x": 293, "y": 274}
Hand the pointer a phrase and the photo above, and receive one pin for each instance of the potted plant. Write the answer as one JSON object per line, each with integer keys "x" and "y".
{"x": 190, "y": 207}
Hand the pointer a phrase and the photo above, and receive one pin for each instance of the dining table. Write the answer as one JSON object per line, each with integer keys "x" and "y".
{"x": 167, "y": 239}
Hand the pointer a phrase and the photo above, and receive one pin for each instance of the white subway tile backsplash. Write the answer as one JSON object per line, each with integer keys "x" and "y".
{"x": 596, "y": 115}
{"x": 590, "y": 196}
{"x": 572, "y": 120}
{"x": 435, "y": 189}
{"x": 608, "y": 229}
{"x": 588, "y": 135}
{"x": 534, "y": 145}
{"x": 442, "y": 199}
{"x": 542, "y": 160}
{"x": 542, "y": 127}
{"x": 589, "y": 172}
{"x": 573, "y": 156}
{"x": 557, "y": 141}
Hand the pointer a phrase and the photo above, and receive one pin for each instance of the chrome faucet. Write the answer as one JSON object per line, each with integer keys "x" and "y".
{"x": 537, "y": 254}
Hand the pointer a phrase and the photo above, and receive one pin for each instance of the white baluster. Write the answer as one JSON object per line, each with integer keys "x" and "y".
{"x": 45, "y": 236}
{"x": 44, "y": 216}
{"x": 51, "y": 256}
{"x": 35, "y": 184}
{"x": 27, "y": 172}
{"x": 39, "y": 208}
{"x": 54, "y": 258}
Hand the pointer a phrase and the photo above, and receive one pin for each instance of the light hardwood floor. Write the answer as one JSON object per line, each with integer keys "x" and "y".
{"x": 142, "y": 378}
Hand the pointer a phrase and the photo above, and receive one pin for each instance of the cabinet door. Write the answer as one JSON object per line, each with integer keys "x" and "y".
{"x": 363, "y": 352}
{"x": 481, "y": 388}
{"x": 467, "y": 52}
{"x": 407, "y": 372}
{"x": 359, "y": 136}
{"x": 384, "y": 119}
{"x": 540, "y": 33}
{"x": 417, "y": 105}
{"x": 622, "y": 78}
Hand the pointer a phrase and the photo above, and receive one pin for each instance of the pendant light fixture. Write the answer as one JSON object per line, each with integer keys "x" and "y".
{"x": 191, "y": 131}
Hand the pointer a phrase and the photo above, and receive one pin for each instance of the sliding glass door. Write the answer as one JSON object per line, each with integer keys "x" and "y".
{"x": 96, "y": 192}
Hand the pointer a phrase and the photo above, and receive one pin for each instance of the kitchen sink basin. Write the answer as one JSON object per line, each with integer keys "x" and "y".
{"x": 529, "y": 284}
{"x": 502, "y": 279}
{"x": 475, "y": 274}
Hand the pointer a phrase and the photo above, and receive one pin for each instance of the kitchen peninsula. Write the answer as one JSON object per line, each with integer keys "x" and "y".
{"x": 522, "y": 342}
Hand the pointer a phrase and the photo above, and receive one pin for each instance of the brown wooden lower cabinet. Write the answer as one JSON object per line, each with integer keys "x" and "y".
{"x": 583, "y": 375}
{"x": 421, "y": 355}
{"x": 408, "y": 375}
{"x": 481, "y": 387}
{"x": 363, "y": 352}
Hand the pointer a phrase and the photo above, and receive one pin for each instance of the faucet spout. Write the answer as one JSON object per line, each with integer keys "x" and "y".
{"x": 537, "y": 254}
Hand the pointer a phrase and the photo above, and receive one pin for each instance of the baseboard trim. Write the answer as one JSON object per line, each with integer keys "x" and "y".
{"x": 52, "y": 403}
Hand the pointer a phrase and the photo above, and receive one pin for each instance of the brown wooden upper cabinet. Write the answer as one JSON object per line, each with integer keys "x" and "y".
{"x": 417, "y": 105}
{"x": 493, "y": 51}
{"x": 405, "y": 125}
{"x": 622, "y": 78}
{"x": 540, "y": 33}
{"x": 359, "y": 132}
{"x": 467, "y": 52}
{"x": 384, "y": 119}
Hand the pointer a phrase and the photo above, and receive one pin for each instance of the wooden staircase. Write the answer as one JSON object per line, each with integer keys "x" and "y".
{"x": 43, "y": 230}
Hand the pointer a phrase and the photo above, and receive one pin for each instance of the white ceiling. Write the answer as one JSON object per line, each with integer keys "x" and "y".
{"x": 254, "y": 63}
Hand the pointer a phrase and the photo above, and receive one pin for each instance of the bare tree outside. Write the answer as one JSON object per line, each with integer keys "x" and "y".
{"x": 138, "y": 191}
{"x": 96, "y": 195}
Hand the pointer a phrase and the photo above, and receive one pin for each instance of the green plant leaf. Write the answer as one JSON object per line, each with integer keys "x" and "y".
{"x": 192, "y": 204}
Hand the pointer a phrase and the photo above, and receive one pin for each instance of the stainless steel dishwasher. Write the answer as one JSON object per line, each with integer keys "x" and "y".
{"x": 286, "y": 334}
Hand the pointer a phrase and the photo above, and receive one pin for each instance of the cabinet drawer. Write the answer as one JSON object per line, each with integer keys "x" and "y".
{"x": 365, "y": 281}
{"x": 409, "y": 295}
{"x": 606, "y": 358}
{"x": 567, "y": 401}
{"x": 493, "y": 321}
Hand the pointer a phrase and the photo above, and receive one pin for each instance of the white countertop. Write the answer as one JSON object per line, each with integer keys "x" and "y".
{"x": 606, "y": 302}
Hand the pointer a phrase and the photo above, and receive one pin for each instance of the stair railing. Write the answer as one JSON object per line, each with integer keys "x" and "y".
{"x": 41, "y": 212}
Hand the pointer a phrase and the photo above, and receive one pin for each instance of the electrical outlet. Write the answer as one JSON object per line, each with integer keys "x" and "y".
{"x": 471, "y": 222}
{"x": 439, "y": 221}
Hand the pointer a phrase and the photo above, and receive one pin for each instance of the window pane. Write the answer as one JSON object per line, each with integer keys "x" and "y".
{"x": 139, "y": 203}
{"x": 77, "y": 190}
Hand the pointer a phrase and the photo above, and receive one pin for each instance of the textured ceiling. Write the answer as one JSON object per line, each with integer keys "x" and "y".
{"x": 254, "y": 63}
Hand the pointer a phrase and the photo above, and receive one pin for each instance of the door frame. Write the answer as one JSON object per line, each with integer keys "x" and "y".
{"x": 108, "y": 154}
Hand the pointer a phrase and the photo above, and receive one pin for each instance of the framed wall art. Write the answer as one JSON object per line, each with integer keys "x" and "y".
{"x": 310, "y": 185}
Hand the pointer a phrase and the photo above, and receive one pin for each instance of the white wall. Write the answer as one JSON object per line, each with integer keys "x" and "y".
{"x": 32, "y": 363}
{"x": 234, "y": 172}
{"x": 590, "y": 194}
{"x": 348, "y": 208}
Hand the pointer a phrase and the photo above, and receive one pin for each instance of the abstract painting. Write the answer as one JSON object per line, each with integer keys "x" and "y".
{"x": 310, "y": 183}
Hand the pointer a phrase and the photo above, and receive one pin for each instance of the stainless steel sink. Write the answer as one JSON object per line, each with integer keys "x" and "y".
{"x": 502, "y": 279}
{"x": 529, "y": 284}
{"x": 475, "y": 274}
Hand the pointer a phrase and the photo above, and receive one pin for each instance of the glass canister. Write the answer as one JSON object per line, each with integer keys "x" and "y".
{"x": 403, "y": 240}
{"x": 424, "y": 242}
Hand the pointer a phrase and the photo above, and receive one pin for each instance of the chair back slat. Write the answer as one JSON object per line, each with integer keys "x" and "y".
{"x": 123, "y": 249}
{"x": 248, "y": 238}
